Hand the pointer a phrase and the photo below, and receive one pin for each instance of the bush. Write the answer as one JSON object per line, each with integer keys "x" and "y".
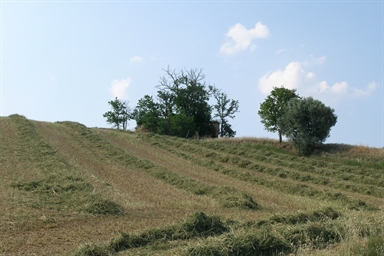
{"x": 307, "y": 122}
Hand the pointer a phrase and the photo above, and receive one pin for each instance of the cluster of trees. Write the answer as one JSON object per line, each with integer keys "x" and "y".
{"x": 304, "y": 121}
{"x": 181, "y": 107}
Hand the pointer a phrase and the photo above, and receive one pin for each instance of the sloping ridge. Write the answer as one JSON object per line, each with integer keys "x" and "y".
{"x": 64, "y": 185}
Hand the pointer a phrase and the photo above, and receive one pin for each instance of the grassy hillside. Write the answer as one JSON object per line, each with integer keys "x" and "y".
{"x": 71, "y": 190}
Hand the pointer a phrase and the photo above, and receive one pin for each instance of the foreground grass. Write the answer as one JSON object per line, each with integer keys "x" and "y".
{"x": 57, "y": 189}
{"x": 200, "y": 234}
{"x": 70, "y": 190}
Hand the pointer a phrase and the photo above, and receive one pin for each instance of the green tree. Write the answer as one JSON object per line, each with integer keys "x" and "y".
{"x": 272, "y": 109}
{"x": 147, "y": 114}
{"x": 307, "y": 122}
{"x": 186, "y": 95}
{"x": 225, "y": 108}
{"x": 119, "y": 115}
{"x": 182, "y": 125}
{"x": 182, "y": 106}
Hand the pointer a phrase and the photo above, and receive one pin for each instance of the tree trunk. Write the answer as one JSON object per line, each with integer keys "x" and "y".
{"x": 280, "y": 137}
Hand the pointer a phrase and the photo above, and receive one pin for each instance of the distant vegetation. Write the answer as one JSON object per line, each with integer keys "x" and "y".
{"x": 120, "y": 114}
{"x": 306, "y": 122}
{"x": 181, "y": 108}
{"x": 273, "y": 108}
{"x": 71, "y": 190}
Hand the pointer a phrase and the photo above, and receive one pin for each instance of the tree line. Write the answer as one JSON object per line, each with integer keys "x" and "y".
{"x": 182, "y": 108}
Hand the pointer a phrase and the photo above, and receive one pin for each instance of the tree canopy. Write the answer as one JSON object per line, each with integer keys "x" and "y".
{"x": 182, "y": 107}
{"x": 307, "y": 122}
{"x": 225, "y": 108}
{"x": 147, "y": 113}
{"x": 272, "y": 109}
{"x": 119, "y": 115}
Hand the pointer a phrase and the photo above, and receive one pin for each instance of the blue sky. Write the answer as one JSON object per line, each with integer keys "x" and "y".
{"x": 64, "y": 60}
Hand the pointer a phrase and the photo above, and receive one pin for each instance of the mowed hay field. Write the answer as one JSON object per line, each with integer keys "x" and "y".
{"x": 71, "y": 190}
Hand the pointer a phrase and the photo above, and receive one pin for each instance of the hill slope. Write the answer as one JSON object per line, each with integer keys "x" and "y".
{"x": 69, "y": 189}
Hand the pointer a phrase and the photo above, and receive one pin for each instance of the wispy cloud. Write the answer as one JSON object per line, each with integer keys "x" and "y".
{"x": 136, "y": 59}
{"x": 293, "y": 76}
{"x": 280, "y": 51}
{"x": 119, "y": 88}
{"x": 314, "y": 61}
{"x": 240, "y": 39}
{"x": 358, "y": 93}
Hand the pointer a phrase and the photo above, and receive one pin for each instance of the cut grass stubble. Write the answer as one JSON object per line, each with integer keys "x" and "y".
{"x": 225, "y": 196}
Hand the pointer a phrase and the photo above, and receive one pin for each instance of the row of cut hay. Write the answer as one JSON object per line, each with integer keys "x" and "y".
{"x": 299, "y": 234}
{"x": 244, "y": 158}
{"x": 359, "y": 160}
{"x": 295, "y": 234}
{"x": 59, "y": 189}
{"x": 196, "y": 225}
{"x": 227, "y": 197}
{"x": 320, "y": 165}
{"x": 248, "y": 175}
{"x": 275, "y": 240}
{"x": 370, "y": 155}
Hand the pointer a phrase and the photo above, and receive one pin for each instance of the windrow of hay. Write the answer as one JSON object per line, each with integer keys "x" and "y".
{"x": 229, "y": 165}
{"x": 68, "y": 193}
{"x": 195, "y": 225}
{"x": 227, "y": 197}
{"x": 297, "y": 234}
{"x": 59, "y": 180}
{"x": 278, "y": 235}
{"x": 59, "y": 189}
{"x": 332, "y": 151}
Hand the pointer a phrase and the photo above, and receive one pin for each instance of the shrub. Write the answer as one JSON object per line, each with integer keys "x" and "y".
{"x": 307, "y": 122}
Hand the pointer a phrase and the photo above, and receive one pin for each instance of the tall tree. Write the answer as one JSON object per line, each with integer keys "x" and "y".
{"x": 182, "y": 106}
{"x": 188, "y": 96}
{"x": 272, "y": 109}
{"x": 225, "y": 108}
{"x": 307, "y": 122}
{"x": 147, "y": 114}
{"x": 119, "y": 115}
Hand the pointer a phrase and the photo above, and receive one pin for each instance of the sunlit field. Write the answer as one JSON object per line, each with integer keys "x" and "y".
{"x": 71, "y": 190}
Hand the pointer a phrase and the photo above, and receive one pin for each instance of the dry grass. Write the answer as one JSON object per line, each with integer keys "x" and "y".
{"x": 51, "y": 173}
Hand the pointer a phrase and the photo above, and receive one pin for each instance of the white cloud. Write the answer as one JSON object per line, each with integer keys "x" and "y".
{"x": 293, "y": 76}
{"x": 338, "y": 89}
{"x": 137, "y": 59}
{"x": 119, "y": 88}
{"x": 314, "y": 61}
{"x": 357, "y": 93}
{"x": 239, "y": 38}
